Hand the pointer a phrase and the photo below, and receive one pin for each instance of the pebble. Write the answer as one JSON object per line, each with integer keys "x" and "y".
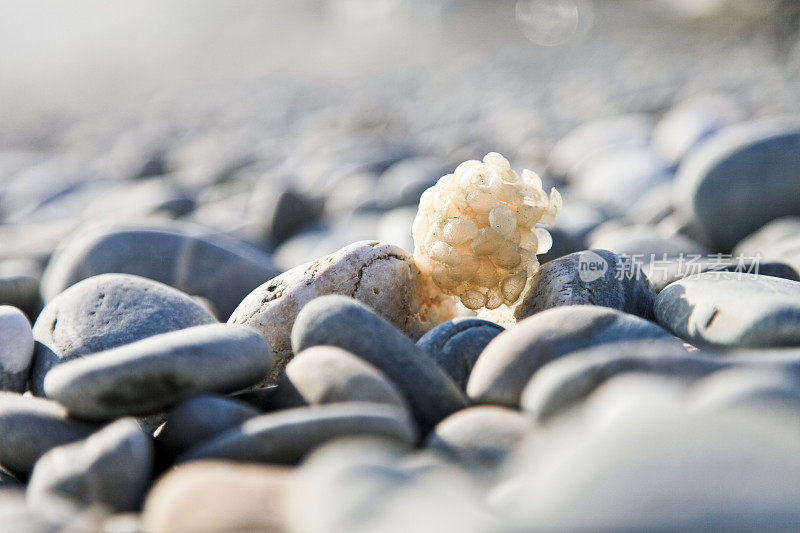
{"x": 742, "y": 387}
{"x": 326, "y": 374}
{"x": 715, "y": 188}
{"x": 218, "y": 268}
{"x": 456, "y": 344}
{"x": 16, "y": 349}
{"x": 31, "y": 427}
{"x": 287, "y": 436}
{"x": 19, "y": 285}
{"x": 198, "y": 419}
{"x": 213, "y": 496}
{"x": 351, "y": 325}
{"x": 111, "y": 467}
{"x": 746, "y": 311}
{"x": 280, "y": 211}
{"x": 661, "y": 273}
{"x": 104, "y": 312}
{"x": 590, "y": 277}
{"x": 509, "y": 361}
{"x": 479, "y": 437}
{"x": 152, "y": 374}
{"x": 380, "y": 275}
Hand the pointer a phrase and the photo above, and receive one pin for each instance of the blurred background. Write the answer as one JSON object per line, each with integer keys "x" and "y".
{"x": 300, "y": 127}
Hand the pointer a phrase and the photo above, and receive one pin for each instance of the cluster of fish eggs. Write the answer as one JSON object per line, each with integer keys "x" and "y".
{"x": 475, "y": 232}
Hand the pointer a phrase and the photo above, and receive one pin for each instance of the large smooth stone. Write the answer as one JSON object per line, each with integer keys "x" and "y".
{"x": 352, "y": 326}
{"x": 327, "y": 374}
{"x": 509, "y": 361}
{"x": 31, "y": 427}
{"x": 104, "y": 312}
{"x": 286, "y": 436}
{"x": 740, "y": 179}
{"x": 746, "y": 311}
{"x": 111, "y": 467}
{"x": 456, "y": 344}
{"x": 152, "y": 374}
{"x": 16, "y": 349}
{"x": 220, "y": 269}
{"x": 591, "y": 277}
{"x": 214, "y": 496}
{"x": 380, "y": 275}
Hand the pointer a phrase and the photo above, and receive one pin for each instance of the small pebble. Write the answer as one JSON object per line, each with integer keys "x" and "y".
{"x": 16, "y": 349}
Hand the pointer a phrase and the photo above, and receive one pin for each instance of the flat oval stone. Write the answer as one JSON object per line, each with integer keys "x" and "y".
{"x": 152, "y": 374}
{"x": 286, "y": 436}
{"x": 213, "y": 496}
{"x": 104, "y": 312}
{"x": 479, "y": 437}
{"x": 754, "y": 311}
{"x": 662, "y": 273}
{"x": 715, "y": 188}
{"x": 200, "y": 418}
{"x": 218, "y": 268}
{"x": 590, "y": 277}
{"x": 352, "y": 326}
{"x": 16, "y": 349}
{"x": 111, "y": 467}
{"x": 381, "y": 275}
{"x": 509, "y": 361}
{"x": 31, "y": 427}
{"x": 327, "y": 374}
{"x": 456, "y": 344}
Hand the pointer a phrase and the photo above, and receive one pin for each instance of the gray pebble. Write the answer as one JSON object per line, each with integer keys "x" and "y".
{"x": 149, "y": 375}
{"x": 509, "y": 361}
{"x": 456, "y": 344}
{"x": 220, "y": 269}
{"x": 745, "y": 310}
{"x": 286, "y": 436}
{"x": 111, "y": 467}
{"x": 747, "y": 386}
{"x": 327, "y": 374}
{"x": 31, "y": 427}
{"x": 104, "y": 312}
{"x": 344, "y": 322}
{"x": 661, "y": 273}
{"x": 16, "y": 349}
{"x": 19, "y": 285}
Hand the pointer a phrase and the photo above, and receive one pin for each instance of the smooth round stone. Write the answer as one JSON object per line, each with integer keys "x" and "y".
{"x": 644, "y": 244}
{"x": 456, "y": 344}
{"x": 591, "y": 277}
{"x": 31, "y": 427}
{"x": 218, "y": 268}
{"x": 152, "y": 374}
{"x": 479, "y": 437}
{"x": 280, "y": 211}
{"x": 380, "y": 275}
{"x": 111, "y": 467}
{"x": 509, "y": 361}
{"x": 351, "y": 325}
{"x": 715, "y": 188}
{"x": 286, "y": 436}
{"x": 568, "y": 381}
{"x": 214, "y": 496}
{"x": 327, "y": 374}
{"x": 768, "y": 237}
{"x": 661, "y": 273}
{"x": 19, "y": 285}
{"x": 104, "y": 312}
{"x": 746, "y": 311}
{"x": 738, "y": 387}
{"x": 16, "y": 349}
{"x": 200, "y": 418}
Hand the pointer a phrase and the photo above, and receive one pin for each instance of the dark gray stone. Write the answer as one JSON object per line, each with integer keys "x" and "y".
{"x": 456, "y": 344}
{"x": 16, "y": 349}
{"x": 286, "y": 436}
{"x": 217, "y": 268}
{"x": 280, "y": 211}
{"x": 479, "y": 437}
{"x": 19, "y": 285}
{"x": 111, "y": 467}
{"x": 740, "y": 179}
{"x": 327, "y": 374}
{"x": 743, "y": 310}
{"x": 31, "y": 427}
{"x": 344, "y": 322}
{"x": 200, "y": 418}
{"x": 509, "y": 361}
{"x": 152, "y": 374}
{"x": 104, "y": 312}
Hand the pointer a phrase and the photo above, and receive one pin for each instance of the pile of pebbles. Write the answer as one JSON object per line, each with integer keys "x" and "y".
{"x": 217, "y": 323}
